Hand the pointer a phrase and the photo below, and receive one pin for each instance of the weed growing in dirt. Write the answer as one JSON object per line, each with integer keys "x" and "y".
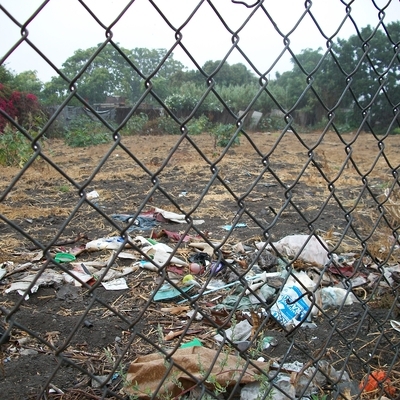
{"x": 64, "y": 188}
{"x": 265, "y": 387}
{"x": 317, "y": 397}
{"x": 196, "y": 126}
{"x": 223, "y": 133}
{"x": 212, "y": 379}
{"x": 122, "y": 373}
{"x": 256, "y": 349}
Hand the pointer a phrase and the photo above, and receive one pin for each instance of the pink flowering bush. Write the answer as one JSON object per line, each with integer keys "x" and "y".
{"x": 24, "y": 108}
{"x": 18, "y": 105}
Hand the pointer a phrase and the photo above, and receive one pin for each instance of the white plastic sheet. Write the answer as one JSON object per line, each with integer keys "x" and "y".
{"x": 290, "y": 246}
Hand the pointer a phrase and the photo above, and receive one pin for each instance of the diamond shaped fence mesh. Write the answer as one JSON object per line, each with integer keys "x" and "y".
{"x": 254, "y": 260}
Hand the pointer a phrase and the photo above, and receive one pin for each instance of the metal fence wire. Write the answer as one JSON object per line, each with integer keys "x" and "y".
{"x": 282, "y": 307}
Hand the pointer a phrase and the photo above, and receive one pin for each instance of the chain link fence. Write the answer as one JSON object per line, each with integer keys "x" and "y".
{"x": 294, "y": 297}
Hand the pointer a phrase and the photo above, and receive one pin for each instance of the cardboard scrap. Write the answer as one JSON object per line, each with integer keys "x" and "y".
{"x": 146, "y": 373}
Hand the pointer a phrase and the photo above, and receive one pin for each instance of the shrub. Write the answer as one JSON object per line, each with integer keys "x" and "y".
{"x": 223, "y": 134}
{"x": 18, "y": 105}
{"x": 182, "y": 104}
{"x": 196, "y": 126}
{"x": 271, "y": 123}
{"x": 167, "y": 125}
{"x": 84, "y": 132}
{"x": 15, "y": 148}
{"x": 136, "y": 124}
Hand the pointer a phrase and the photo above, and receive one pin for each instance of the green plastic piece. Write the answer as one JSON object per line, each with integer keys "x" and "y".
{"x": 64, "y": 257}
{"x": 169, "y": 292}
{"x": 195, "y": 342}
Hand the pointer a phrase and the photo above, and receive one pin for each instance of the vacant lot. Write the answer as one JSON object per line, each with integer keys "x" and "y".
{"x": 267, "y": 183}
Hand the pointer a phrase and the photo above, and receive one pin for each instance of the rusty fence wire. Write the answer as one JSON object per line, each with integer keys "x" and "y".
{"x": 298, "y": 316}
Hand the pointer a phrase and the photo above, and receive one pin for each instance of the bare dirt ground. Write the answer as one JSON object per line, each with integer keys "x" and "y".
{"x": 92, "y": 335}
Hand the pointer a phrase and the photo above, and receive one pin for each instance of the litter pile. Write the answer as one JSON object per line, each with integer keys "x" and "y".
{"x": 232, "y": 288}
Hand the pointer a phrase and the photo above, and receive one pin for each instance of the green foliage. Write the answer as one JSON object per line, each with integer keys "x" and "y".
{"x": 15, "y": 148}
{"x": 271, "y": 123}
{"x": 238, "y": 97}
{"x": 265, "y": 386}
{"x": 226, "y": 75}
{"x": 223, "y": 133}
{"x": 166, "y": 125}
{"x": 28, "y": 82}
{"x": 196, "y": 126}
{"x": 140, "y": 124}
{"x": 84, "y": 132}
{"x": 6, "y": 77}
{"x": 111, "y": 73}
{"x": 182, "y": 103}
{"x": 363, "y": 64}
{"x": 359, "y": 71}
{"x": 396, "y": 131}
{"x": 317, "y": 397}
{"x": 136, "y": 124}
{"x": 64, "y": 188}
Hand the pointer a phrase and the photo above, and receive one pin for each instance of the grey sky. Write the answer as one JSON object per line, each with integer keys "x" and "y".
{"x": 64, "y": 26}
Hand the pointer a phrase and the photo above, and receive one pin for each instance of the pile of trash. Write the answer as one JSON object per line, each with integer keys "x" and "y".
{"x": 291, "y": 280}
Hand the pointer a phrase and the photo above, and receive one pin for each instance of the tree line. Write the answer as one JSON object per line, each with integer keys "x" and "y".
{"x": 354, "y": 81}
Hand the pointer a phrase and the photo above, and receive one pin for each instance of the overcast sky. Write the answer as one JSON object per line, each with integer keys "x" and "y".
{"x": 64, "y": 26}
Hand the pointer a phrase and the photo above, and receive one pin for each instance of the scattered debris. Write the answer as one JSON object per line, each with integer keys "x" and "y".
{"x": 92, "y": 195}
{"x": 250, "y": 281}
{"x": 238, "y": 225}
{"x": 309, "y": 249}
{"x": 116, "y": 284}
{"x": 376, "y": 379}
{"x": 146, "y": 372}
{"x": 64, "y": 257}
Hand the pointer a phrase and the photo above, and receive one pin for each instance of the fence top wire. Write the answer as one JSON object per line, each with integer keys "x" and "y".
{"x": 204, "y": 231}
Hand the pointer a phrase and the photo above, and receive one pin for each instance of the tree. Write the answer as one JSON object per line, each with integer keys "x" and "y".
{"x": 6, "y": 76}
{"x": 28, "y": 82}
{"x": 307, "y": 86}
{"x": 364, "y": 62}
{"x": 112, "y": 73}
{"x": 236, "y": 74}
{"x": 369, "y": 60}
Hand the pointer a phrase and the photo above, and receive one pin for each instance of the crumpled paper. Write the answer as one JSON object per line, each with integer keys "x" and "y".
{"x": 146, "y": 373}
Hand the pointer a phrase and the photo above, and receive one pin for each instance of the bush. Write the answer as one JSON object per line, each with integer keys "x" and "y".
{"x": 84, "y": 132}
{"x": 19, "y": 106}
{"x": 15, "y": 148}
{"x": 271, "y": 123}
{"x": 223, "y": 134}
{"x": 182, "y": 104}
{"x": 167, "y": 125}
{"x": 196, "y": 126}
{"x": 136, "y": 124}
